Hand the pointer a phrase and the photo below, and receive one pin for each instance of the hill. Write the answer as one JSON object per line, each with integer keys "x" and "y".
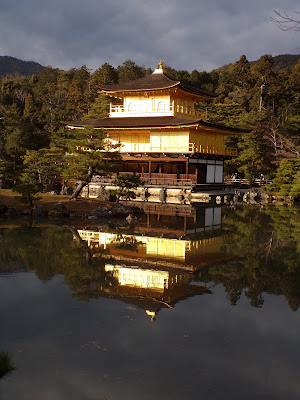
{"x": 280, "y": 62}
{"x": 285, "y": 61}
{"x": 11, "y": 65}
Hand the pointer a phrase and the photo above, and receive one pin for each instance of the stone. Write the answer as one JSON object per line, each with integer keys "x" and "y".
{"x": 55, "y": 214}
{"x": 103, "y": 194}
{"x": 138, "y": 210}
{"x": 131, "y": 219}
{"x": 27, "y": 211}
{"x": 99, "y": 212}
{"x": 163, "y": 195}
{"x": 62, "y": 208}
{"x": 37, "y": 210}
{"x": 77, "y": 215}
{"x": 120, "y": 210}
{"x": 226, "y": 199}
{"x": 3, "y": 209}
{"x": 145, "y": 194}
{"x": 246, "y": 197}
{"x": 253, "y": 195}
{"x": 12, "y": 212}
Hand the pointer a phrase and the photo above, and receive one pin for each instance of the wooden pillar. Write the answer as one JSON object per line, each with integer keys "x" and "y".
{"x": 159, "y": 168}
{"x": 142, "y": 170}
{"x": 196, "y": 173}
{"x": 187, "y": 169}
{"x": 150, "y": 170}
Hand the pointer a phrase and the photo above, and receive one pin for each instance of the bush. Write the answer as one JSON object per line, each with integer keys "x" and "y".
{"x": 6, "y": 363}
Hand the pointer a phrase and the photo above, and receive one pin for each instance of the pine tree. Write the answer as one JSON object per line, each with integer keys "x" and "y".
{"x": 87, "y": 152}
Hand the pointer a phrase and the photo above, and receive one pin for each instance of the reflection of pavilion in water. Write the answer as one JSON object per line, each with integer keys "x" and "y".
{"x": 154, "y": 264}
{"x": 152, "y": 289}
{"x": 189, "y": 239}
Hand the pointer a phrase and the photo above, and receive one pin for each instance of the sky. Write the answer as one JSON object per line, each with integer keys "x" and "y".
{"x": 186, "y": 34}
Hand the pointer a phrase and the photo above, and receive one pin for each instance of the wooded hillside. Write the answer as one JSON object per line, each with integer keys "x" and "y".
{"x": 14, "y": 66}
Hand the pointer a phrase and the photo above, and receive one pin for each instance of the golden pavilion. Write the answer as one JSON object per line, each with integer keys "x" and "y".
{"x": 162, "y": 137}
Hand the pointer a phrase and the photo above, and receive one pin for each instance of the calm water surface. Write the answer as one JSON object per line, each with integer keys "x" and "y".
{"x": 192, "y": 303}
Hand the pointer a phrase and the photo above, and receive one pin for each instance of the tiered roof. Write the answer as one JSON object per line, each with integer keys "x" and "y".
{"x": 156, "y": 82}
{"x": 150, "y": 122}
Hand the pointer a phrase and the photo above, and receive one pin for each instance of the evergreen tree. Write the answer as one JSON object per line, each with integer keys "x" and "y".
{"x": 125, "y": 184}
{"x": 28, "y": 186}
{"x": 88, "y": 152}
{"x": 286, "y": 181}
{"x": 130, "y": 71}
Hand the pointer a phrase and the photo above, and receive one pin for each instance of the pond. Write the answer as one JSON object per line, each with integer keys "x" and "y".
{"x": 190, "y": 303}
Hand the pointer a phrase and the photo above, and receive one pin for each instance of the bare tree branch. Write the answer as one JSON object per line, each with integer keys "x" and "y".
{"x": 285, "y": 21}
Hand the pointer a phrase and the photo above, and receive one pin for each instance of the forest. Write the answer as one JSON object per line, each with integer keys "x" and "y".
{"x": 261, "y": 96}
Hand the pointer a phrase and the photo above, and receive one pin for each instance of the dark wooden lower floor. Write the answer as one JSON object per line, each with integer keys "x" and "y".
{"x": 168, "y": 172}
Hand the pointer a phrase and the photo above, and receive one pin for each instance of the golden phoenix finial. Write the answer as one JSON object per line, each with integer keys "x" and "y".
{"x": 161, "y": 64}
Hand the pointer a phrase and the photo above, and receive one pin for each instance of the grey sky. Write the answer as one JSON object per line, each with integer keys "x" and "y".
{"x": 190, "y": 34}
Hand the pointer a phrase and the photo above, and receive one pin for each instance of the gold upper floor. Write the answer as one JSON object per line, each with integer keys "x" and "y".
{"x": 172, "y": 103}
{"x": 180, "y": 140}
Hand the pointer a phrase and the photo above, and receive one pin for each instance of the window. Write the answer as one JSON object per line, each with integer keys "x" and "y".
{"x": 161, "y": 106}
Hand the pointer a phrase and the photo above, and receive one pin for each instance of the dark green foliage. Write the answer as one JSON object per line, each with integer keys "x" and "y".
{"x": 126, "y": 183}
{"x": 99, "y": 108}
{"x": 260, "y": 96}
{"x": 6, "y": 363}
{"x": 287, "y": 179}
{"x": 28, "y": 186}
{"x": 265, "y": 249}
{"x": 262, "y": 245}
{"x": 86, "y": 152}
{"x": 284, "y": 61}
{"x": 130, "y": 71}
{"x": 53, "y": 251}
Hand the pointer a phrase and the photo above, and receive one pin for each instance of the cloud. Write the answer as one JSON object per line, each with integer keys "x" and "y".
{"x": 202, "y": 345}
{"x": 187, "y": 35}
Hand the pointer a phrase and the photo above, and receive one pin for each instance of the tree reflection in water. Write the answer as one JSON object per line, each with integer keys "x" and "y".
{"x": 265, "y": 244}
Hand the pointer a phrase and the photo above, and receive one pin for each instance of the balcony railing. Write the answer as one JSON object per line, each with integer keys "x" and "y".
{"x": 190, "y": 148}
{"x": 226, "y": 151}
{"x": 157, "y": 110}
{"x": 141, "y": 109}
{"x": 155, "y": 179}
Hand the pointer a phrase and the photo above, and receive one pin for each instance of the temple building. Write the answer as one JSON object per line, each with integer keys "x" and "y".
{"x": 162, "y": 137}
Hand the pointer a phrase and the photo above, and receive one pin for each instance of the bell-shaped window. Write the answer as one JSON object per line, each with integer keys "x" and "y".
{"x": 161, "y": 106}
{"x": 131, "y": 107}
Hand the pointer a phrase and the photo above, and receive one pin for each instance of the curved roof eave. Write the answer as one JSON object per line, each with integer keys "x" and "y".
{"x": 154, "y": 82}
{"x": 138, "y": 90}
{"x": 152, "y": 123}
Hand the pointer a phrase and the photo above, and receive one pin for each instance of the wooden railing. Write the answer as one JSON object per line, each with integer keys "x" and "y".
{"x": 159, "y": 109}
{"x": 190, "y": 148}
{"x": 155, "y": 179}
{"x": 227, "y": 151}
{"x": 246, "y": 182}
{"x": 140, "y": 109}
